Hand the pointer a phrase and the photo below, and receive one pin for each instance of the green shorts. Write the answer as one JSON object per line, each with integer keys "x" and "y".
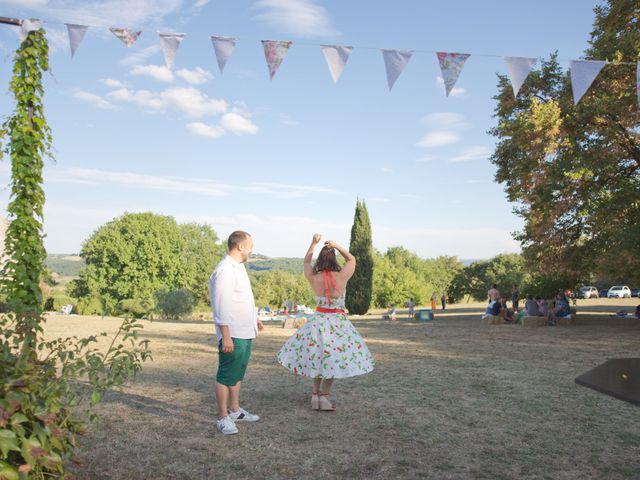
{"x": 232, "y": 366}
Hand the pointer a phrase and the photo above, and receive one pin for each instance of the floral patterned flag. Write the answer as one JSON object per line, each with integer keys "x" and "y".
{"x": 451, "y": 65}
{"x": 274, "y": 52}
{"x": 170, "y": 43}
{"x": 518, "y": 69}
{"x": 336, "y": 57}
{"x": 223, "y": 47}
{"x": 127, "y": 36}
{"x": 583, "y": 73}
{"x": 76, "y": 34}
{"x": 28, "y": 26}
{"x": 394, "y": 63}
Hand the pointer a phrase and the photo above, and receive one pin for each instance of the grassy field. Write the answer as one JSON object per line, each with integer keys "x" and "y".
{"x": 449, "y": 399}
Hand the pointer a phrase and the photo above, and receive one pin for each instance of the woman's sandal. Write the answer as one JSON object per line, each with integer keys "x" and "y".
{"x": 324, "y": 405}
{"x": 315, "y": 401}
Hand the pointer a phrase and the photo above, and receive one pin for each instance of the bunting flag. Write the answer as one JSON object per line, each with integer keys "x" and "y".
{"x": 28, "y": 26}
{"x": 451, "y": 65}
{"x": 127, "y": 36}
{"x": 170, "y": 43}
{"x": 274, "y": 52}
{"x": 583, "y": 73}
{"x": 394, "y": 63}
{"x": 76, "y": 34}
{"x": 518, "y": 69}
{"x": 336, "y": 57}
{"x": 223, "y": 47}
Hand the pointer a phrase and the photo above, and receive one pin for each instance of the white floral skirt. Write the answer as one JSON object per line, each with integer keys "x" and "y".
{"x": 327, "y": 346}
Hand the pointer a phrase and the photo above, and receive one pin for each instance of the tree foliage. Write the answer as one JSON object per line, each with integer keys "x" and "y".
{"x": 276, "y": 287}
{"x": 359, "y": 288}
{"x": 201, "y": 252}
{"x": 574, "y": 171}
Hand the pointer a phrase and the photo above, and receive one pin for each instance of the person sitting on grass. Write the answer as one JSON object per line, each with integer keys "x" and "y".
{"x": 531, "y": 307}
{"x": 391, "y": 314}
{"x": 561, "y": 309}
{"x": 543, "y": 306}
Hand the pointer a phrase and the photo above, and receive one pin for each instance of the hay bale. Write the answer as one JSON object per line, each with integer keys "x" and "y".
{"x": 534, "y": 321}
{"x": 495, "y": 320}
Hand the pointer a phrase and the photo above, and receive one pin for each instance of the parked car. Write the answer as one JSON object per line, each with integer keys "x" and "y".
{"x": 603, "y": 293}
{"x": 619, "y": 291}
{"x": 588, "y": 292}
{"x": 635, "y": 292}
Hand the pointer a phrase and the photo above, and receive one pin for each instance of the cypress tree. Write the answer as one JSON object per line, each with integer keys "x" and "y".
{"x": 358, "y": 296}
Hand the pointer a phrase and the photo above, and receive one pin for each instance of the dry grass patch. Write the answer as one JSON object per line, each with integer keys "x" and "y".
{"x": 452, "y": 399}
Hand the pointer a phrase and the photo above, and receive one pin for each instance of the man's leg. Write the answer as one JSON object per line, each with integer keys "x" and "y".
{"x": 234, "y": 397}
{"x": 222, "y": 398}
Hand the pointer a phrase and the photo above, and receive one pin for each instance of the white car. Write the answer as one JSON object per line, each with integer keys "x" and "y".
{"x": 619, "y": 291}
{"x": 589, "y": 292}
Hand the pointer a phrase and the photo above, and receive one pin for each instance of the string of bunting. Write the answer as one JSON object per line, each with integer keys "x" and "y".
{"x": 583, "y": 72}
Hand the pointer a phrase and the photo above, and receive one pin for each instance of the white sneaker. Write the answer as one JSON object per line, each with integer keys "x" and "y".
{"x": 243, "y": 416}
{"x": 227, "y": 426}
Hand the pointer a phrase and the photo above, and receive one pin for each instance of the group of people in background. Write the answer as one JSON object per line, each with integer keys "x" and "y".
{"x": 533, "y": 307}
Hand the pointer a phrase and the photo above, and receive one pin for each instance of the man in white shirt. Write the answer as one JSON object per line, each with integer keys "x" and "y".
{"x": 237, "y": 324}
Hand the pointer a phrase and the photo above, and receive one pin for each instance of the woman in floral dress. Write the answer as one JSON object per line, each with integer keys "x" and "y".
{"x": 327, "y": 346}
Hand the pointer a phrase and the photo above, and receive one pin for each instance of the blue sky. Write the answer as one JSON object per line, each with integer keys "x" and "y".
{"x": 287, "y": 157}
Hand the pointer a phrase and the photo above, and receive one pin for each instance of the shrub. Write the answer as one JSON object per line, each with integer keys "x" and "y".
{"x": 133, "y": 307}
{"x": 49, "y": 305}
{"x": 92, "y": 305}
{"x": 40, "y": 393}
{"x": 175, "y": 303}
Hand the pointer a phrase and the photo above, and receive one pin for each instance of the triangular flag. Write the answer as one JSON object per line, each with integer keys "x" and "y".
{"x": 28, "y": 26}
{"x": 451, "y": 65}
{"x": 127, "y": 36}
{"x": 170, "y": 43}
{"x": 223, "y": 47}
{"x": 76, "y": 34}
{"x": 394, "y": 63}
{"x": 583, "y": 73}
{"x": 274, "y": 52}
{"x": 336, "y": 57}
{"x": 518, "y": 69}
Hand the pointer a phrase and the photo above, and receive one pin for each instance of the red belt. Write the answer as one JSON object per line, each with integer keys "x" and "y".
{"x": 329, "y": 310}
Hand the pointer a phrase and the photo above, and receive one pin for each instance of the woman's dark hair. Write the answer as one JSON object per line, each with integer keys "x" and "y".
{"x": 327, "y": 261}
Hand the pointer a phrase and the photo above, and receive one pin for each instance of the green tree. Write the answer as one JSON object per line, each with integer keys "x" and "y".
{"x": 359, "y": 288}
{"x": 201, "y": 253}
{"x": 573, "y": 172}
{"x": 132, "y": 257}
{"x": 275, "y": 287}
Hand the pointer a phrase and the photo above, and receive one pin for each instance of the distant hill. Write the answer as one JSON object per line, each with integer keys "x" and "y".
{"x": 260, "y": 263}
{"x": 64, "y": 264}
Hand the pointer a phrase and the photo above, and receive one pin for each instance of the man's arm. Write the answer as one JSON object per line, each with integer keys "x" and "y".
{"x": 222, "y": 284}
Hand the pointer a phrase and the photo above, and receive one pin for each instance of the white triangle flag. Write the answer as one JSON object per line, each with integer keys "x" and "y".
{"x": 583, "y": 73}
{"x": 274, "y": 52}
{"x": 451, "y": 65}
{"x": 170, "y": 43}
{"x": 223, "y": 46}
{"x": 336, "y": 57}
{"x": 127, "y": 36}
{"x": 394, "y": 63}
{"x": 518, "y": 69}
{"x": 76, "y": 34}
{"x": 28, "y": 26}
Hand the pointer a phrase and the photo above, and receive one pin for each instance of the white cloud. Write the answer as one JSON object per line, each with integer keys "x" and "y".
{"x": 195, "y": 77}
{"x": 455, "y": 91}
{"x": 111, "y": 83}
{"x": 238, "y": 124}
{"x": 439, "y": 138}
{"x": 141, "y": 98}
{"x": 58, "y": 40}
{"x": 140, "y": 56}
{"x": 472, "y": 153}
{"x": 193, "y": 102}
{"x": 386, "y": 170}
{"x": 204, "y": 130}
{"x": 295, "y": 17}
{"x": 445, "y": 119}
{"x": 93, "y": 99}
{"x": 201, "y": 3}
{"x": 157, "y": 72}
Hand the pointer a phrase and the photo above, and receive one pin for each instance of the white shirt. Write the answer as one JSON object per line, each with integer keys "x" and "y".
{"x": 232, "y": 300}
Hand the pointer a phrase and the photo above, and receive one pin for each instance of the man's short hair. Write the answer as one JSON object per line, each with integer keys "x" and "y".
{"x": 236, "y": 238}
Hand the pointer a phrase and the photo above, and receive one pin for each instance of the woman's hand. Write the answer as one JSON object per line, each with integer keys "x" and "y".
{"x": 330, "y": 244}
{"x": 316, "y": 238}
